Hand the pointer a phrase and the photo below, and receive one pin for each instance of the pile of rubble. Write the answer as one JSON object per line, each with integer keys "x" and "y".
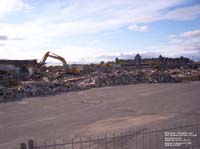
{"x": 35, "y": 88}
{"x": 62, "y": 83}
{"x": 132, "y": 77}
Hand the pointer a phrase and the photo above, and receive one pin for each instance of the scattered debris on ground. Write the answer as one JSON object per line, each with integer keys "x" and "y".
{"x": 57, "y": 81}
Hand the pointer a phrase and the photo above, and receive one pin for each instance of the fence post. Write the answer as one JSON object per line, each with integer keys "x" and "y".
{"x": 114, "y": 141}
{"x": 89, "y": 143}
{"x": 121, "y": 140}
{"x": 23, "y": 146}
{"x": 30, "y": 144}
{"x": 81, "y": 143}
{"x": 197, "y": 132}
{"x": 106, "y": 143}
{"x": 72, "y": 143}
{"x": 156, "y": 138}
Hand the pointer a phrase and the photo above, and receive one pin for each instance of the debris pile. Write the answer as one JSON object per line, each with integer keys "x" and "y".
{"x": 162, "y": 77}
{"x": 53, "y": 83}
{"x": 132, "y": 77}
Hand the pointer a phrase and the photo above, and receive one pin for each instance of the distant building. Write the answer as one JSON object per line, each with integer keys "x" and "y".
{"x": 160, "y": 61}
{"x": 138, "y": 59}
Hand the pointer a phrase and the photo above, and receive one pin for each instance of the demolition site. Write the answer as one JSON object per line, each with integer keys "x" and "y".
{"x": 30, "y": 78}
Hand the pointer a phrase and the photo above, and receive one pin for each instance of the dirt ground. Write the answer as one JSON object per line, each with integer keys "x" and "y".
{"x": 98, "y": 111}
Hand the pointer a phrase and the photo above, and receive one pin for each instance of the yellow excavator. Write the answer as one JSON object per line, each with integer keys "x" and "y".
{"x": 65, "y": 65}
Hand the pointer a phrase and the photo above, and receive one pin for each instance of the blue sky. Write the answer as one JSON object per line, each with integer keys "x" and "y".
{"x": 95, "y": 30}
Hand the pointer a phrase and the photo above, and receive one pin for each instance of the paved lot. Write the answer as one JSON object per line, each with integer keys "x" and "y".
{"x": 98, "y": 111}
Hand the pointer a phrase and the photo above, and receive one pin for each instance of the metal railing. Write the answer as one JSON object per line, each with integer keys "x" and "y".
{"x": 181, "y": 137}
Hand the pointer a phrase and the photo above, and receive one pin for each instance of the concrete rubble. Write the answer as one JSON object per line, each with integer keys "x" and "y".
{"x": 55, "y": 82}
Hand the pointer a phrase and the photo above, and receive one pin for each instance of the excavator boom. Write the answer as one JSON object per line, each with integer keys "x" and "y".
{"x": 72, "y": 70}
{"x": 52, "y": 55}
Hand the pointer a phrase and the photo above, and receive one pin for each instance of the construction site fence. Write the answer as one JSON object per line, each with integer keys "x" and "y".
{"x": 185, "y": 136}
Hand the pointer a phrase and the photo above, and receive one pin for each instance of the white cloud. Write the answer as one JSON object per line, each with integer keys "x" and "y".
{"x": 184, "y": 13}
{"x": 195, "y": 33}
{"x": 186, "y": 43}
{"x": 135, "y": 27}
{"x": 59, "y": 20}
{"x": 85, "y": 17}
{"x": 7, "y": 6}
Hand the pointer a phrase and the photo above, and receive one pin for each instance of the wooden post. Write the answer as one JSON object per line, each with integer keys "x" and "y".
{"x": 72, "y": 143}
{"x": 30, "y": 144}
{"x": 114, "y": 141}
{"x": 23, "y": 146}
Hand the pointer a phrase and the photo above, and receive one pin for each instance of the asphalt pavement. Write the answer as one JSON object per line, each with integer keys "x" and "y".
{"x": 98, "y": 111}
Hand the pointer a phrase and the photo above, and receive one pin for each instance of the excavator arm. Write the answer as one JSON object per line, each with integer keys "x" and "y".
{"x": 72, "y": 70}
{"x": 52, "y": 55}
